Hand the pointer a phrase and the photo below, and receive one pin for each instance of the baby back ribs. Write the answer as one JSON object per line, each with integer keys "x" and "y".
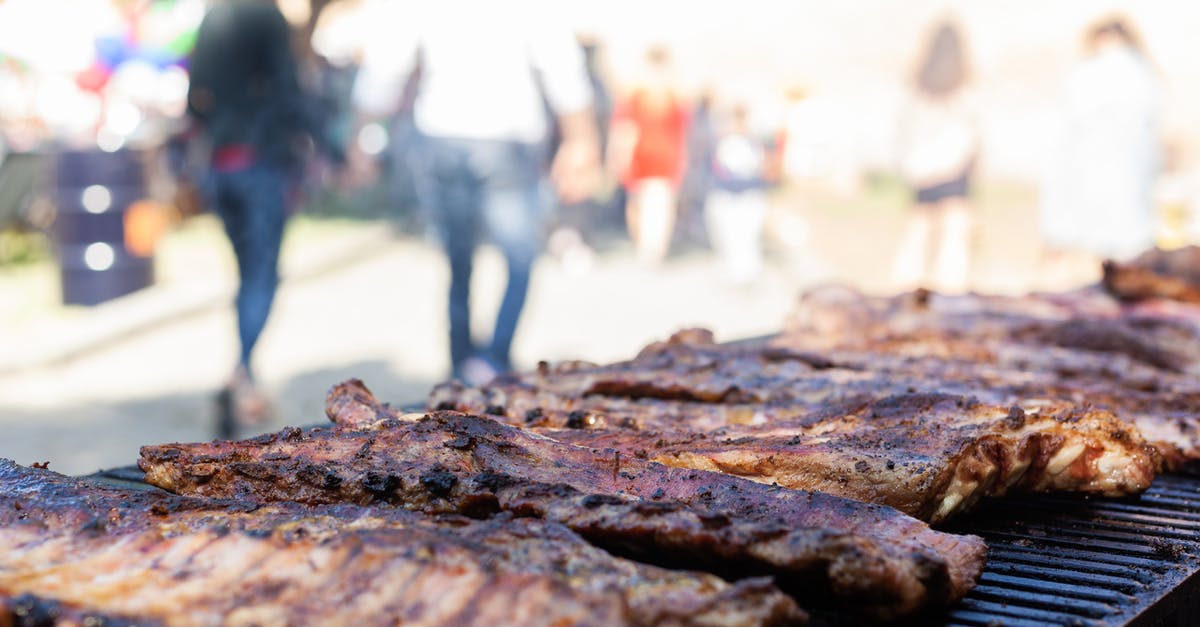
{"x": 928, "y": 455}
{"x": 690, "y": 383}
{"x": 1165, "y": 407}
{"x": 1139, "y": 362}
{"x": 71, "y": 550}
{"x": 868, "y": 557}
{"x": 1088, "y": 319}
{"x": 1172, "y": 275}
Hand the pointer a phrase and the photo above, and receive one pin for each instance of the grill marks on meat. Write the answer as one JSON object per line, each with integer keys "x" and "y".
{"x": 1140, "y": 363}
{"x": 394, "y": 573}
{"x": 88, "y": 550}
{"x": 868, "y": 557}
{"x": 919, "y": 449}
{"x": 928, "y": 455}
{"x": 1165, "y": 408}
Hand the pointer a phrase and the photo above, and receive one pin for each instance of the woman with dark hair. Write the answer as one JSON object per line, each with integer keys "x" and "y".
{"x": 247, "y": 107}
{"x": 938, "y": 147}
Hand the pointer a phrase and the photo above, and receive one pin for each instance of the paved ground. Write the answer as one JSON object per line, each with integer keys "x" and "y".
{"x": 379, "y": 315}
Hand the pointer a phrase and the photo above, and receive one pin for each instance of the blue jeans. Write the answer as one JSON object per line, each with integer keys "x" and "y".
{"x": 470, "y": 189}
{"x": 252, "y": 204}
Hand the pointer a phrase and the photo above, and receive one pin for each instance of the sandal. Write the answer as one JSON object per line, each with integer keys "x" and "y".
{"x": 249, "y": 405}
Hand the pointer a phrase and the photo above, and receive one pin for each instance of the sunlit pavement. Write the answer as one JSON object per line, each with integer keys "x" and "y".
{"x": 381, "y": 319}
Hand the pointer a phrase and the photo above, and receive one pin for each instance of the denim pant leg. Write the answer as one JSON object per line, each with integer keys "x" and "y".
{"x": 450, "y": 197}
{"x": 251, "y": 203}
{"x": 513, "y": 213}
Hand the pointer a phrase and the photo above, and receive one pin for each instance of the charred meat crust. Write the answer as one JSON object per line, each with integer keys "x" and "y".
{"x": 1027, "y": 352}
{"x": 1156, "y": 274}
{"x": 31, "y": 610}
{"x": 885, "y": 437}
{"x": 289, "y": 562}
{"x": 1137, "y": 361}
{"x": 868, "y": 557}
{"x": 930, "y": 456}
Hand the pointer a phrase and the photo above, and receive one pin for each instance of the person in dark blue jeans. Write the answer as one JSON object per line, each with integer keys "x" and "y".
{"x": 488, "y": 81}
{"x": 252, "y": 204}
{"x": 247, "y": 106}
{"x": 472, "y": 189}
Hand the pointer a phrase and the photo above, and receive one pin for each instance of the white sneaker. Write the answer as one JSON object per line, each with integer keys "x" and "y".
{"x": 477, "y": 371}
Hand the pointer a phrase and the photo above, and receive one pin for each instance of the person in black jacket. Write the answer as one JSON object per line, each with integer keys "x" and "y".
{"x": 247, "y": 107}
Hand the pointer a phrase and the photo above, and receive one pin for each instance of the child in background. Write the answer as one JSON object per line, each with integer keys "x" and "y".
{"x": 736, "y": 207}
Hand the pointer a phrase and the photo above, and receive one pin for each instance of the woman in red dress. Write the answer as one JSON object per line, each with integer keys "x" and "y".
{"x": 648, "y": 153}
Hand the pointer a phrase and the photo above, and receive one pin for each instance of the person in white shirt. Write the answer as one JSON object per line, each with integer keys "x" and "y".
{"x": 1098, "y": 195}
{"x": 487, "y": 71}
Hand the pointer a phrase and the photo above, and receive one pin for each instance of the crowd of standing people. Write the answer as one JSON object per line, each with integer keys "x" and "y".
{"x": 521, "y": 124}
{"x": 506, "y": 118}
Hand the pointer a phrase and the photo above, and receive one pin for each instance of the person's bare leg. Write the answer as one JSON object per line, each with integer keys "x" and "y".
{"x": 632, "y": 213}
{"x": 908, "y": 267}
{"x": 656, "y": 220}
{"x": 953, "y": 260}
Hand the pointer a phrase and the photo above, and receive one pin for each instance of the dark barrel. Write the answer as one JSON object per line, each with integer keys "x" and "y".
{"x": 93, "y": 191}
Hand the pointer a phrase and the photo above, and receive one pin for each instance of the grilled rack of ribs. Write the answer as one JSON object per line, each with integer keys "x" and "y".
{"x": 1138, "y": 362}
{"x": 868, "y": 558}
{"x": 928, "y": 455}
{"x": 1165, "y": 408}
{"x": 973, "y": 327}
{"x": 1172, "y": 275}
{"x": 915, "y": 441}
{"x": 74, "y": 551}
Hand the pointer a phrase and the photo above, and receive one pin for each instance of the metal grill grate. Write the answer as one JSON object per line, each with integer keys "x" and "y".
{"x": 1071, "y": 561}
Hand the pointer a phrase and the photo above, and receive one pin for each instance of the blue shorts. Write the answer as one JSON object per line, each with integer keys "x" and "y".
{"x": 954, "y": 188}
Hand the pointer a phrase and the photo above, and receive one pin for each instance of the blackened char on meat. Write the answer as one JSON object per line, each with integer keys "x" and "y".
{"x": 71, "y": 550}
{"x": 871, "y": 558}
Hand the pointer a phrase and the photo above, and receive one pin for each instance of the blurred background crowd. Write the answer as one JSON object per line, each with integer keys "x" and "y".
{"x": 466, "y": 187}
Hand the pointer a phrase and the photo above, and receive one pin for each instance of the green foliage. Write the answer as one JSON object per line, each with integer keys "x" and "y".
{"x": 19, "y": 247}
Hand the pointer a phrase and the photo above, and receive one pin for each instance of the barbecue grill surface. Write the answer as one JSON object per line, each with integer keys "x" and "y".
{"x": 1056, "y": 560}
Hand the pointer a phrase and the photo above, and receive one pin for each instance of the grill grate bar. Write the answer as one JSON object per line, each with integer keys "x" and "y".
{"x": 1181, "y": 492}
{"x": 1081, "y": 607}
{"x": 1113, "y": 552}
{"x": 1127, "y": 585}
{"x": 1024, "y": 555}
{"x": 1153, "y": 522}
{"x": 1068, "y": 590}
{"x": 1143, "y": 510}
{"x": 1011, "y": 612}
{"x": 1186, "y": 503}
{"x": 1121, "y": 533}
{"x": 1153, "y": 515}
{"x": 965, "y": 618}
{"x": 1184, "y": 534}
